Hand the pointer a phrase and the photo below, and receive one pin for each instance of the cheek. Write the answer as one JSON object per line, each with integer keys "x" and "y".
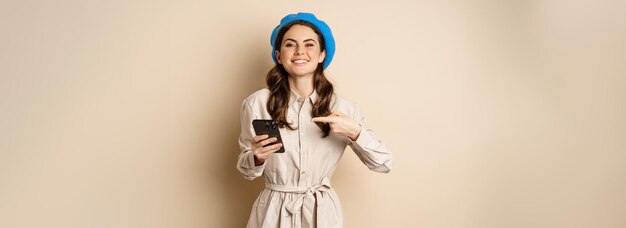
{"x": 285, "y": 53}
{"x": 314, "y": 53}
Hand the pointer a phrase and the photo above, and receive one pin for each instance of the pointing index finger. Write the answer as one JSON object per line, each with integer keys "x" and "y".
{"x": 322, "y": 119}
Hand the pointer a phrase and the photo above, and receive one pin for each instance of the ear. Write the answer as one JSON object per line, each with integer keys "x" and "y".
{"x": 277, "y": 53}
{"x": 322, "y": 56}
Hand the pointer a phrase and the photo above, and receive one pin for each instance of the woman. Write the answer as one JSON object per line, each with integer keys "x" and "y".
{"x": 315, "y": 124}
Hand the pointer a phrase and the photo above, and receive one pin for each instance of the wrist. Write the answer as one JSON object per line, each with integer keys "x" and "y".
{"x": 257, "y": 161}
{"x": 355, "y": 133}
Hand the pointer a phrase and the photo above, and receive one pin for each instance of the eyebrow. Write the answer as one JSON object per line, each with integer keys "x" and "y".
{"x": 289, "y": 39}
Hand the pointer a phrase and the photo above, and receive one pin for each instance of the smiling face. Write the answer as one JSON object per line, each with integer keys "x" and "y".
{"x": 300, "y": 51}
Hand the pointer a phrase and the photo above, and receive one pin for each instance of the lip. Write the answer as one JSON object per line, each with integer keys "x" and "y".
{"x": 299, "y": 62}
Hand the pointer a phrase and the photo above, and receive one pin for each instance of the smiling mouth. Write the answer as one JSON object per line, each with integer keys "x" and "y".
{"x": 300, "y": 61}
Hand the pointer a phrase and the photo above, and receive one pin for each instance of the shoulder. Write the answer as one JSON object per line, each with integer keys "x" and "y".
{"x": 259, "y": 97}
{"x": 344, "y": 105}
{"x": 341, "y": 100}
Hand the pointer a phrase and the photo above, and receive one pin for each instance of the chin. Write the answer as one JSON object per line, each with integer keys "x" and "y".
{"x": 301, "y": 72}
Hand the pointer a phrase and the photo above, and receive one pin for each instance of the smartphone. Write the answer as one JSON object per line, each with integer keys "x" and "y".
{"x": 268, "y": 127}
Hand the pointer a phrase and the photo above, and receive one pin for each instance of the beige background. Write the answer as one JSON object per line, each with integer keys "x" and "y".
{"x": 499, "y": 113}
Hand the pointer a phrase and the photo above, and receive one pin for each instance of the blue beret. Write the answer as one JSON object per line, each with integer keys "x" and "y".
{"x": 329, "y": 41}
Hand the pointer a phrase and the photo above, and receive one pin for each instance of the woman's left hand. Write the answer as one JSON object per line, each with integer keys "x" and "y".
{"x": 341, "y": 124}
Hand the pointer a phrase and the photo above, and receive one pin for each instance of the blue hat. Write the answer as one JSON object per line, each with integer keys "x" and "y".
{"x": 329, "y": 41}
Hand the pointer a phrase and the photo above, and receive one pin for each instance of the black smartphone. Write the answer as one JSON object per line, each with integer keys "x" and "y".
{"x": 268, "y": 127}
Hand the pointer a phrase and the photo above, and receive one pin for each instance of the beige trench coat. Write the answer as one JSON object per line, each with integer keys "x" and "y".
{"x": 298, "y": 191}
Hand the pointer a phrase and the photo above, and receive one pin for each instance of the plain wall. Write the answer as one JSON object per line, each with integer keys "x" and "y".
{"x": 499, "y": 113}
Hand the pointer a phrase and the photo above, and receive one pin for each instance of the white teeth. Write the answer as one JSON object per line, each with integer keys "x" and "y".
{"x": 301, "y": 61}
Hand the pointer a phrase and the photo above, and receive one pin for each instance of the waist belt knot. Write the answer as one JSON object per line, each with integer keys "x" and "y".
{"x": 305, "y": 203}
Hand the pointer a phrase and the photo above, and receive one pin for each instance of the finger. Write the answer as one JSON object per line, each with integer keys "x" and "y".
{"x": 271, "y": 149}
{"x": 323, "y": 119}
{"x": 337, "y": 114}
{"x": 268, "y": 141}
{"x": 260, "y": 137}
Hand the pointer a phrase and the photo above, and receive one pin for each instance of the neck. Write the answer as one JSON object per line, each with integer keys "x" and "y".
{"x": 302, "y": 85}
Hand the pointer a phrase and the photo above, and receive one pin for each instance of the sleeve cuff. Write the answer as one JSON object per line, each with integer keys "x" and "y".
{"x": 369, "y": 146}
{"x": 251, "y": 164}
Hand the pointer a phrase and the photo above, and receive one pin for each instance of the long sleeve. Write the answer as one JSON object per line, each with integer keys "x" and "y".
{"x": 245, "y": 163}
{"x": 369, "y": 148}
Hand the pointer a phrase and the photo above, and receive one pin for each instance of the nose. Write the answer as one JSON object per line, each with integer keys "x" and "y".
{"x": 299, "y": 50}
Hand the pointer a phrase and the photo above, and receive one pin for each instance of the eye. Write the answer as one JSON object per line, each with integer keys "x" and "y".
{"x": 289, "y": 45}
{"x": 309, "y": 45}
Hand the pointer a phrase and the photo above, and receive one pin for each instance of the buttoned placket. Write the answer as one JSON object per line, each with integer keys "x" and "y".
{"x": 301, "y": 151}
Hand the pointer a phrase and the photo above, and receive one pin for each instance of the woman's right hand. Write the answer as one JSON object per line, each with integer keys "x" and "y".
{"x": 261, "y": 152}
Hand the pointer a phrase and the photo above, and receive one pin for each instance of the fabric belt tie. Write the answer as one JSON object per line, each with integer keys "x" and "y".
{"x": 305, "y": 203}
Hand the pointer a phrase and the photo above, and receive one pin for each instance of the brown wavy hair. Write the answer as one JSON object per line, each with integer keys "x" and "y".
{"x": 278, "y": 85}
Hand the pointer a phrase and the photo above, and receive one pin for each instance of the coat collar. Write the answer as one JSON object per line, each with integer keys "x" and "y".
{"x": 294, "y": 97}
